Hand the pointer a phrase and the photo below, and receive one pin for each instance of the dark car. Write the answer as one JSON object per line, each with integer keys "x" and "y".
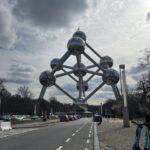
{"x": 64, "y": 118}
{"x": 97, "y": 118}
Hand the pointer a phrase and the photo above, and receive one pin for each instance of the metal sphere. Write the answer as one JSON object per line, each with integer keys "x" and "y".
{"x": 85, "y": 86}
{"x": 47, "y": 79}
{"x": 55, "y": 62}
{"x": 80, "y": 70}
{"x": 76, "y": 45}
{"x": 106, "y": 62}
{"x": 80, "y": 34}
{"x": 111, "y": 76}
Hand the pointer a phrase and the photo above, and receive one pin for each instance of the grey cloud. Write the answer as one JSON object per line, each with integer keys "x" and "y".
{"x": 104, "y": 95}
{"x": 49, "y": 13}
{"x": 21, "y": 74}
{"x": 18, "y": 80}
{"x": 138, "y": 69}
{"x": 7, "y": 31}
{"x": 22, "y": 68}
{"x": 148, "y": 17}
{"x": 70, "y": 87}
{"x": 107, "y": 88}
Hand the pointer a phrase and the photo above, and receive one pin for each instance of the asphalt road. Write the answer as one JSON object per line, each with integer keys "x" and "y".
{"x": 74, "y": 135}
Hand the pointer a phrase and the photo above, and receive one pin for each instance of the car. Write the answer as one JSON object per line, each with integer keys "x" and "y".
{"x": 70, "y": 117}
{"x": 63, "y": 118}
{"x": 35, "y": 117}
{"x": 97, "y": 118}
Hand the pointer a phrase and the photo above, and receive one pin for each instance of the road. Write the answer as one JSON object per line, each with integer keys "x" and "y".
{"x": 74, "y": 135}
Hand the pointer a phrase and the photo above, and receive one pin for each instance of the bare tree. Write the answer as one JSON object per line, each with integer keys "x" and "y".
{"x": 2, "y": 83}
{"x": 143, "y": 85}
{"x": 145, "y": 60}
{"x": 24, "y": 92}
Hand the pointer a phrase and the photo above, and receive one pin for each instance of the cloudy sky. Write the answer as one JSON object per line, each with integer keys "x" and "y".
{"x": 33, "y": 32}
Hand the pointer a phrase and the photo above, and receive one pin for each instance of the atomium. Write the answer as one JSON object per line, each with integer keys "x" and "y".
{"x": 55, "y": 62}
{"x": 85, "y": 86}
{"x": 47, "y": 79}
{"x": 80, "y": 70}
{"x": 80, "y": 34}
{"x": 111, "y": 77}
{"x": 80, "y": 73}
{"x": 106, "y": 62}
{"x": 76, "y": 45}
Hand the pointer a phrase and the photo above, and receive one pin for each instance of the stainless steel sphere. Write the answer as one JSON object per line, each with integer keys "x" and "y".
{"x": 80, "y": 70}
{"x": 47, "y": 79}
{"x": 76, "y": 45}
{"x": 85, "y": 86}
{"x": 80, "y": 34}
{"x": 55, "y": 62}
{"x": 106, "y": 62}
{"x": 111, "y": 77}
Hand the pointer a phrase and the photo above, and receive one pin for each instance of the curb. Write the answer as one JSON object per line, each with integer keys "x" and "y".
{"x": 96, "y": 141}
{"x": 37, "y": 125}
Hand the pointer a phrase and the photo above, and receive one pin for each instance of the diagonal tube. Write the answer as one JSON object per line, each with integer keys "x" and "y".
{"x": 63, "y": 74}
{"x": 43, "y": 90}
{"x": 93, "y": 92}
{"x": 69, "y": 75}
{"x": 94, "y": 62}
{"x": 62, "y": 60}
{"x": 94, "y": 73}
{"x": 65, "y": 92}
{"x": 116, "y": 92}
{"x": 89, "y": 67}
{"x": 93, "y": 50}
{"x": 92, "y": 76}
{"x": 68, "y": 67}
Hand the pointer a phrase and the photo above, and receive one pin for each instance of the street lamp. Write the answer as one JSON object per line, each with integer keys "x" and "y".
{"x": 101, "y": 109}
{"x": 124, "y": 93}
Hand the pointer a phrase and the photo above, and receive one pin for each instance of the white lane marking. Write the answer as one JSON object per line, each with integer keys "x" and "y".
{"x": 89, "y": 135}
{"x": 87, "y": 141}
{"x": 91, "y": 127}
{"x": 68, "y": 140}
{"x": 73, "y": 134}
{"x": 86, "y": 149}
{"x": 90, "y": 131}
{"x": 77, "y": 131}
{"x": 59, "y": 148}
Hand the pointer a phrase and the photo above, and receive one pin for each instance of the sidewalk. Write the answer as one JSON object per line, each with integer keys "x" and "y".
{"x": 113, "y": 136}
{"x": 35, "y": 124}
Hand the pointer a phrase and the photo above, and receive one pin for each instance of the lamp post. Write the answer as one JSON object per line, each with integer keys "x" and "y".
{"x": 124, "y": 93}
{"x": 101, "y": 109}
{"x": 0, "y": 105}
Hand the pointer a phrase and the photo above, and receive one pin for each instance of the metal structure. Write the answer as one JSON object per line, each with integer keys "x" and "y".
{"x": 77, "y": 47}
{"x": 126, "y": 122}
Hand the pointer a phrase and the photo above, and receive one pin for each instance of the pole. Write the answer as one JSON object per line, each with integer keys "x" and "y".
{"x": 124, "y": 93}
{"x": 101, "y": 109}
{"x": 0, "y": 106}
